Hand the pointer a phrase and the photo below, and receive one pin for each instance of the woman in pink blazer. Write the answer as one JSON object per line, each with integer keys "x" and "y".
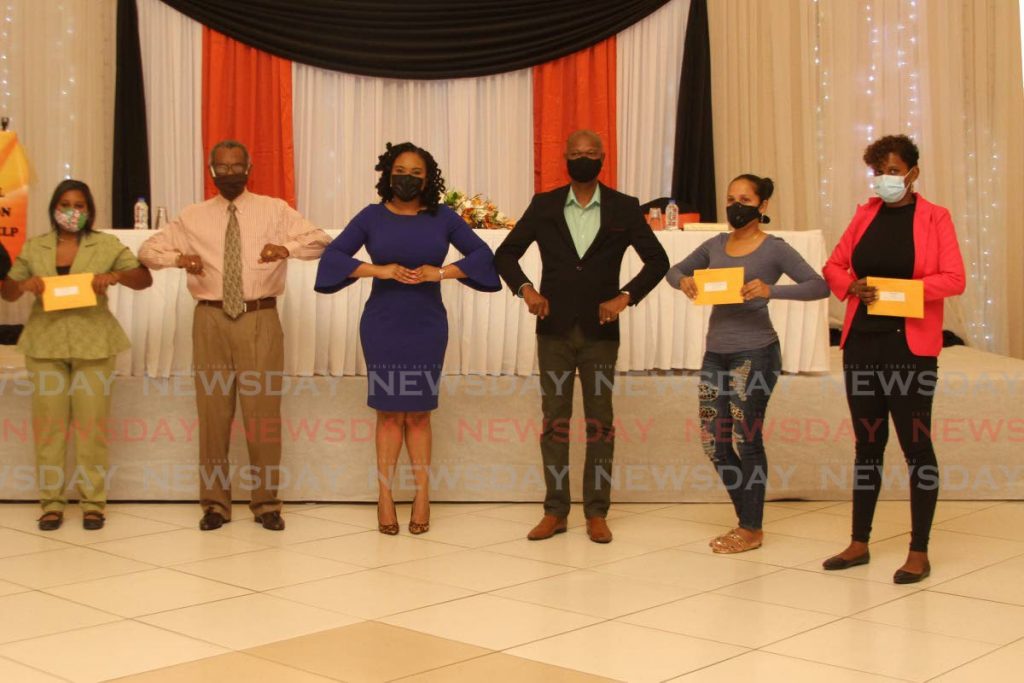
{"x": 890, "y": 364}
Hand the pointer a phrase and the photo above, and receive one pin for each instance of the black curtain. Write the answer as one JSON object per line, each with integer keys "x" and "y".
{"x": 693, "y": 170}
{"x": 131, "y": 148}
{"x": 422, "y": 39}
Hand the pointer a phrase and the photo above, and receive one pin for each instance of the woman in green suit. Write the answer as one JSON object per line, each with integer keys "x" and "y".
{"x": 70, "y": 353}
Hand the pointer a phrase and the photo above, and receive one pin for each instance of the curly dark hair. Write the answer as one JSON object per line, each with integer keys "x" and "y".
{"x": 67, "y": 186}
{"x": 900, "y": 145}
{"x": 432, "y": 193}
{"x": 764, "y": 188}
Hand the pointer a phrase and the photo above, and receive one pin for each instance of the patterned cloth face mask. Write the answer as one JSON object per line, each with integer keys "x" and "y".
{"x": 71, "y": 220}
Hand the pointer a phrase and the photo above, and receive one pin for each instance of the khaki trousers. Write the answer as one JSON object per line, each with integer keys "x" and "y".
{"x": 71, "y": 398}
{"x": 240, "y": 361}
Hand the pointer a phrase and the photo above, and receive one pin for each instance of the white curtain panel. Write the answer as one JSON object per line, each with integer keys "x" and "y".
{"x": 649, "y": 62}
{"x": 480, "y": 131}
{"x": 172, "y": 63}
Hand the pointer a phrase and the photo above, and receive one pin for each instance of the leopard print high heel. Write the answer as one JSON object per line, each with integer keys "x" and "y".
{"x": 417, "y": 528}
{"x": 387, "y": 529}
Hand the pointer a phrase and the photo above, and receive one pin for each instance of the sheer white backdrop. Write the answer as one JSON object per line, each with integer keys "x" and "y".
{"x": 800, "y": 87}
{"x": 57, "y": 87}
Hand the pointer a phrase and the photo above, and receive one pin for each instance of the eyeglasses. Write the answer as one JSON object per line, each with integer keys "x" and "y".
{"x": 226, "y": 169}
{"x": 593, "y": 154}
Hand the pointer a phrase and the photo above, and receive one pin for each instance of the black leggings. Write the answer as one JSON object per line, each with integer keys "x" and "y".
{"x": 883, "y": 377}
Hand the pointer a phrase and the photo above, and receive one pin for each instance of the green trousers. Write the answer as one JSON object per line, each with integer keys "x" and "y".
{"x": 560, "y": 357}
{"x": 71, "y": 399}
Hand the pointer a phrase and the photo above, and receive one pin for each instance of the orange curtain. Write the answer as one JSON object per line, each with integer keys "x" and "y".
{"x": 247, "y": 96}
{"x": 576, "y": 91}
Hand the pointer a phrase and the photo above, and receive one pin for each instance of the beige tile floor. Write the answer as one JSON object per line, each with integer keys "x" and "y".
{"x": 152, "y": 599}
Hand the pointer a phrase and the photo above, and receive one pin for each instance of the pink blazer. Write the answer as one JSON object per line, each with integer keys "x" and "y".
{"x": 937, "y": 262}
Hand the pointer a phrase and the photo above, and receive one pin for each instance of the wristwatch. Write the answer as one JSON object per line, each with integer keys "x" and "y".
{"x": 626, "y": 292}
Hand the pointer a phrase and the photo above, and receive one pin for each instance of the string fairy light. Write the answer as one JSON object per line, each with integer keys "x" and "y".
{"x": 5, "y": 64}
{"x": 67, "y": 88}
{"x": 892, "y": 52}
{"x": 824, "y": 163}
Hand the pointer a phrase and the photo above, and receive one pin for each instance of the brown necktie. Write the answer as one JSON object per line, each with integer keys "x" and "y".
{"x": 234, "y": 304}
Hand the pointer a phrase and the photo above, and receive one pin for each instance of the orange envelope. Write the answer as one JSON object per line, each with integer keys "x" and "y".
{"x": 897, "y": 297}
{"x": 68, "y": 291}
{"x": 718, "y": 286}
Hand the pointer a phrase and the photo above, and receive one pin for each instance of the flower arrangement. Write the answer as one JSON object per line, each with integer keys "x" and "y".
{"x": 479, "y": 212}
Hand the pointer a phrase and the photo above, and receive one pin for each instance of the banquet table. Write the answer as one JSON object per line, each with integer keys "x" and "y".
{"x": 489, "y": 333}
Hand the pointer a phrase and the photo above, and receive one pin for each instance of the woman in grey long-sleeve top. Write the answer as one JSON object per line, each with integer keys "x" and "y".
{"x": 742, "y": 359}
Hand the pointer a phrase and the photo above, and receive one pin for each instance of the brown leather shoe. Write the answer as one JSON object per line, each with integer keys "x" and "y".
{"x": 212, "y": 520}
{"x": 271, "y": 521}
{"x": 548, "y": 527}
{"x": 597, "y": 529}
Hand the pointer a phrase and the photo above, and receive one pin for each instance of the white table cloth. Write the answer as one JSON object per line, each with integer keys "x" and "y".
{"x": 489, "y": 334}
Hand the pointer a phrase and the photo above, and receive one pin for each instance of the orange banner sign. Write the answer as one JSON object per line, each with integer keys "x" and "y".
{"x": 14, "y": 175}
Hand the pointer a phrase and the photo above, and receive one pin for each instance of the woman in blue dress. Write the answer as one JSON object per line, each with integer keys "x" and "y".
{"x": 404, "y": 327}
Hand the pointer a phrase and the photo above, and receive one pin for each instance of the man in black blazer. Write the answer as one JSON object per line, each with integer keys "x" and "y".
{"x": 582, "y": 231}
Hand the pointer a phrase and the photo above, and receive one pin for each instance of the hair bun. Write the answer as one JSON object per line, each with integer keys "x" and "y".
{"x": 767, "y": 188}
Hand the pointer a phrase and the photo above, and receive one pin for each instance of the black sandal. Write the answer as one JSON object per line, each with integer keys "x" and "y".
{"x": 51, "y": 521}
{"x": 93, "y": 521}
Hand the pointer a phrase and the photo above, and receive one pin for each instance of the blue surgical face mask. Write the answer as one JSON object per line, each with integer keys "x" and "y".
{"x": 890, "y": 188}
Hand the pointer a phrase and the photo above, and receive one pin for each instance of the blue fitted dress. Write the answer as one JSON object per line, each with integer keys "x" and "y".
{"x": 404, "y": 328}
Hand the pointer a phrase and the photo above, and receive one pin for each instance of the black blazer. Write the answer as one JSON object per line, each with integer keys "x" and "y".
{"x": 575, "y": 286}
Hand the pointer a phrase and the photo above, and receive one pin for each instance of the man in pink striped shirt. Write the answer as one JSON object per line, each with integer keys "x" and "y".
{"x": 234, "y": 248}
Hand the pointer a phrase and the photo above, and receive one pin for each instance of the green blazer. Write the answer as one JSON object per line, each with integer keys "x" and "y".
{"x": 86, "y": 333}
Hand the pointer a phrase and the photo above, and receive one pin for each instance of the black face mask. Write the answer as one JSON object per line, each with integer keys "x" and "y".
{"x": 584, "y": 169}
{"x": 406, "y": 187}
{"x": 230, "y": 186}
{"x": 741, "y": 214}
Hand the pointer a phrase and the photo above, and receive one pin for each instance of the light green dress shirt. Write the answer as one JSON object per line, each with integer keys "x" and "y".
{"x": 584, "y": 221}
{"x": 87, "y": 333}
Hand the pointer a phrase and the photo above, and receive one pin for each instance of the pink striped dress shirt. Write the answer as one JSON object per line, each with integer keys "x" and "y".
{"x": 200, "y": 229}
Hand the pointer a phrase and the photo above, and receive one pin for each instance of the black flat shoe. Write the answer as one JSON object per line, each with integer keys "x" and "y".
{"x": 93, "y": 521}
{"x": 51, "y": 521}
{"x": 212, "y": 520}
{"x": 271, "y": 521}
{"x": 903, "y": 577}
{"x": 836, "y": 563}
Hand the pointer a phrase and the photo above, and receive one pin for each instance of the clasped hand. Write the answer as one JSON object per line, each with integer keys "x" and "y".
{"x": 409, "y": 276}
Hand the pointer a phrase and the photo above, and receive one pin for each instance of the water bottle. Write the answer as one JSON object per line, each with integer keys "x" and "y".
{"x": 655, "y": 219}
{"x": 672, "y": 215}
{"x": 141, "y": 214}
{"x": 161, "y": 217}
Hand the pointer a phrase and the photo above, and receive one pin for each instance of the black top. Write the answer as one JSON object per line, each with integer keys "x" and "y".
{"x": 5, "y": 262}
{"x": 574, "y": 286}
{"x": 63, "y": 270}
{"x": 886, "y": 249}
